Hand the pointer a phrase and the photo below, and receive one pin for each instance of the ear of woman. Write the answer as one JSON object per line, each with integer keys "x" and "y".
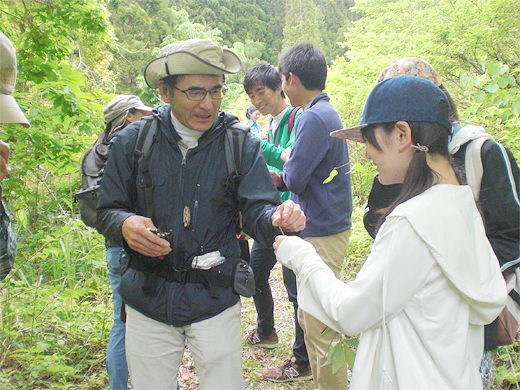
{"x": 404, "y": 135}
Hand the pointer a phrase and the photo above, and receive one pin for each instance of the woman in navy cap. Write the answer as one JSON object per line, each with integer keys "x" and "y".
{"x": 432, "y": 280}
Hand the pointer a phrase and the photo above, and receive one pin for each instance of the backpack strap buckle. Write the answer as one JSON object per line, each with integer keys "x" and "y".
{"x": 178, "y": 275}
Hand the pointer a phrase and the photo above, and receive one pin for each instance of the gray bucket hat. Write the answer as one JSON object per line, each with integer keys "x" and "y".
{"x": 117, "y": 110}
{"x": 10, "y": 112}
{"x": 194, "y": 56}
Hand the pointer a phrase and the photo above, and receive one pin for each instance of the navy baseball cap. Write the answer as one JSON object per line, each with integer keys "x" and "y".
{"x": 403, "y": 98}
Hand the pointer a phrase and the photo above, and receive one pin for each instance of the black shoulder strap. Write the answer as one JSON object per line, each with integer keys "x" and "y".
{"x": 235, "y": 136}
{"x": 147, "y": 130}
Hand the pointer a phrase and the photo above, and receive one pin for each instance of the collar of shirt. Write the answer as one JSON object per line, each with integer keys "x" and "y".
{"x": 189, "y": 137}
{"x": 277, "y": 119}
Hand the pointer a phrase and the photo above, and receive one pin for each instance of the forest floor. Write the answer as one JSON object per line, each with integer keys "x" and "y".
{"x": 254, "y": 360}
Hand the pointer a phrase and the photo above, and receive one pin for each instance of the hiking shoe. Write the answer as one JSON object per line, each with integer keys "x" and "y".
{"x": 256, "y": 339}
{"x": 287, "y": 371}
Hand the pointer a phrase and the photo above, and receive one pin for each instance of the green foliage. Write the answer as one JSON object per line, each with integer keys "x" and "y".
{"x": 455, "y": 37}
{"x": 495, "y": 103}
{"x": 58, "y": 340}
{"x": 55, "y": 316}
{"x": 57, "y": 94}
{"x": 341, "y": 351}
{"x": 302, "y": 23}
{"x": 506, "y": 372}
{"x": 75, "y": 54}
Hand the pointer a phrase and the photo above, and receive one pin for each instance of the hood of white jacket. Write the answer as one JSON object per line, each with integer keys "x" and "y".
{"x": 466, "y": 134}
{"x": 467, "y": 261}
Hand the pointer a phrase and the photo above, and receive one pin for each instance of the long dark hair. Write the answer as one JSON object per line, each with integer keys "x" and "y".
{"x": 419, "y": 176}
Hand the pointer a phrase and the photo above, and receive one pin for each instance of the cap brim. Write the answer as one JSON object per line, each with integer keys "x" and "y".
{"x": 185, "y": 62}
{"x": 142, "y": 107}
{"x": 351, "y": 133}
{"x": 10, "y": 112}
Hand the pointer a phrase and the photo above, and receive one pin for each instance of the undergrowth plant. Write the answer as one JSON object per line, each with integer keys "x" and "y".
{"x": 56, "y": 311}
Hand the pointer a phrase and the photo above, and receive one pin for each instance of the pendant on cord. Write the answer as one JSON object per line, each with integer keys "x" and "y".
{"x": 186, "y": 216}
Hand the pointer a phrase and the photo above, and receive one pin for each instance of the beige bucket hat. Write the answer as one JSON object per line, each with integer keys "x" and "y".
{"x": 10, "y": 112}
{"x": 117, "y": 110}
{"x": 194, "y": 56}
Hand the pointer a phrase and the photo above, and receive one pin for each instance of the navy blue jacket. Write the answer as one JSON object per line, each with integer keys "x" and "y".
{"x": 315, "y": 154}
{"x": 198, "y": 182}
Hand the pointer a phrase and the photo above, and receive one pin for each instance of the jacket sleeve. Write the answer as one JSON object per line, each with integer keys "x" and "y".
{"x": 389, "y": 279}
{"x": 272, "y": 154}
{"x": 118, "y": 190}
{"x": 257, "y": 195}
{"x": 305, "y": 156}
{"x": 498, "y": 202}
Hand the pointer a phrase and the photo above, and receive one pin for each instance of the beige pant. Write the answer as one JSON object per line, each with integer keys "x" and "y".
{"x": 332, "y": 249}
{"x": 154, "y": 351}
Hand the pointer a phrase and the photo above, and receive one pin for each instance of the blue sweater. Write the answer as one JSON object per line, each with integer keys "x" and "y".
{"x": 315, "y": 154}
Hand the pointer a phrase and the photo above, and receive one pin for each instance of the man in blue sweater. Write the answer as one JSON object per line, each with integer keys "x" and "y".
{"x": 263, "y": 85}
{"x": 328, "y": 206}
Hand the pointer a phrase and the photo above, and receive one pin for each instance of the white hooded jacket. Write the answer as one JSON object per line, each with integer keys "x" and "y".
{"x": 421, "y": 299}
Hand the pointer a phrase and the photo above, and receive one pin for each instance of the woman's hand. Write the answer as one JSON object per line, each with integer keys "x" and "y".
{"x": 277, "y": 241}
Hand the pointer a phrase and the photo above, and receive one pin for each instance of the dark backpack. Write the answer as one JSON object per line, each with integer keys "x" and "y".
{"x": 95, "y": 158}
{"x": 92, "y": 169}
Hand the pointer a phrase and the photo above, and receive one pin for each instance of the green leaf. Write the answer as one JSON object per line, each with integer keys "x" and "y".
{"x": 492, "y": 87}
{"x": 350, "y": 357}
{"x": 516, "y": 107}
{"x": 333, "y": 174}
{"x": 22, "y": 217}
{"x": 480, "y": 79}
{"x": 494, "y": 69}
{"x": 480, "y": 97}
{"x": 353, "y": 342}
{"x": 503, "y": 82}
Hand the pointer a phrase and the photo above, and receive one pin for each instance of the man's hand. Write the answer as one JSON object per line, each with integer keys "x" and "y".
{"x": 286, "y": 153}
{"x": 4, "y": 160}
{"x": 289, "y": 216}
{"x": 138, "y": 237}
{"x": 277, "y": 179}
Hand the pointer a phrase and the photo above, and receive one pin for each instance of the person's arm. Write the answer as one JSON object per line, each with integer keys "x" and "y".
{"x": 272, "y": 154}
{"x": 310, "y": 147}
{"x": 393, "y": 272}
{"x": 498, "y": 202}
{"x": 116, "y": 218}
{"x": 259, "y": 200}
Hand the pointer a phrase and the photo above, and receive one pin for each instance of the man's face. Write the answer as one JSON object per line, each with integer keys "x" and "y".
{"x": 195, "y": 115}
{"x": 290, "y": 91}
{"x": 264, "y": 98}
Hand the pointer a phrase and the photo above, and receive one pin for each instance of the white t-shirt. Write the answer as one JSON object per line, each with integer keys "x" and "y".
{"x": 277, "y": 119}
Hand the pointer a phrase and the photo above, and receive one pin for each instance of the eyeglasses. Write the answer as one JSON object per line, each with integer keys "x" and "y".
{"x": 199, "y": 94}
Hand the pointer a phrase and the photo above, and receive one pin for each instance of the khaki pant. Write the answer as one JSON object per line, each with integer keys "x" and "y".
{"x": 154, "y": 351}
{"x": 332, "y": 249}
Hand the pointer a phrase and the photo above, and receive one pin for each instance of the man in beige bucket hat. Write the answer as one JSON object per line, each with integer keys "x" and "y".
{"x": 180, "y": 286}
{"x": 10, "y": 112}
